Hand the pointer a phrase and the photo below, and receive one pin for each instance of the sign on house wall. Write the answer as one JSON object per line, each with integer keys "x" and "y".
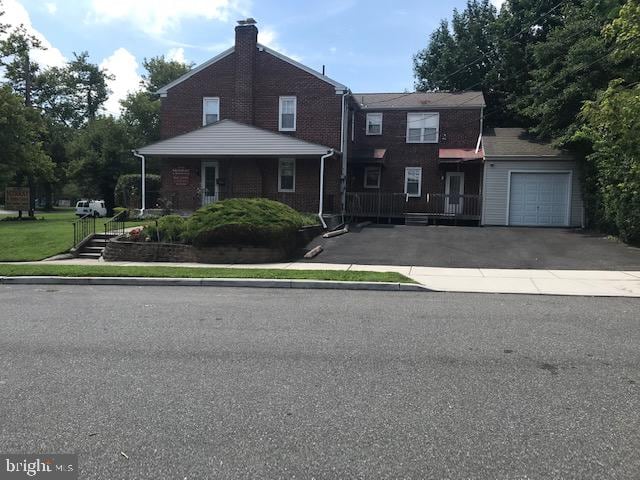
{"x": 17, "y": 198}
{"x": 181, "y": 176}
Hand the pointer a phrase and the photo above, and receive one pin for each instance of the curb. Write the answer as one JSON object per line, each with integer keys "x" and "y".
{"x": 214, "y": 282}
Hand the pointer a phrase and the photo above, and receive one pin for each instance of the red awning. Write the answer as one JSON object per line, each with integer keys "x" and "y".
{"x": 455, "y": 155}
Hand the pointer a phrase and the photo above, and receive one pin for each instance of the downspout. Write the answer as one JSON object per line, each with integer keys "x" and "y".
{"x": 144, "y": 182}
{"x": 343, "y": 147}
{"x": 330, "y": 153}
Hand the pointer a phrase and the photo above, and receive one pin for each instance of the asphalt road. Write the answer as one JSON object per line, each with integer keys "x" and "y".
{"x": 237, "y": 383}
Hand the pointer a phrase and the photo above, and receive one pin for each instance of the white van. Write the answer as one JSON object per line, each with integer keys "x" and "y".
{"x": 95, "y": 208}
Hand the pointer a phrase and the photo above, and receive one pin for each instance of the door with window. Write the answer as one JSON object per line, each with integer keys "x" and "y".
{"x": 209, "y": 184}
{"x": 454, "y": 191}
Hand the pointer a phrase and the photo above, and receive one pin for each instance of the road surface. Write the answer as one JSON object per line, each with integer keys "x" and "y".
{"x": 194, "y": 383}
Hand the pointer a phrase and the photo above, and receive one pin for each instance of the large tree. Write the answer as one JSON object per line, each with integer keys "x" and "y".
{"x": 141, "y": 110}
{"x": 16, "y": 57}
{"x": 22, "y": 157}
{"x": 99, "y": 154}
{"x": 569, "y": 67}
{"x": 88, "y": 84}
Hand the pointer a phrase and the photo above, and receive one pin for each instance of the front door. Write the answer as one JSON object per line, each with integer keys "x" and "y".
{"x": 209, "y": 182}
{"x": 454, "y": 190}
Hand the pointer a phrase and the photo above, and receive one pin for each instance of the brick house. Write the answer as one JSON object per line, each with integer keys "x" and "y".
{"x": 252, "y": 122}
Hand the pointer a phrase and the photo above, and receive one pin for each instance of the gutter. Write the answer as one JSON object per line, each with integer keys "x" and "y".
{"x": 144, "y": 181}
{"x": 330, "y": 153}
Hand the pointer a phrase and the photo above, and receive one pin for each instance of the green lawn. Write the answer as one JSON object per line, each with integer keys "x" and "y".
{"x": 35, "y": 240}
{"x": 195, "y": 272}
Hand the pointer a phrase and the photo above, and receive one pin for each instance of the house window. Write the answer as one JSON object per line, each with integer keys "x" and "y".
{"x": 423, "y": 127}
{"x": 413, "y": 181}
{"x": 372, "y": 177}
{"x": 374, "y": 124}
{"x": 287, "y": 122}
{"x": 210, "y": 110}
{"x": 287, "y": 175}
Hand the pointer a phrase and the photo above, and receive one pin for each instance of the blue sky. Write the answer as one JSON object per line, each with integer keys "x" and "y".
{"x": 367, "y": 45}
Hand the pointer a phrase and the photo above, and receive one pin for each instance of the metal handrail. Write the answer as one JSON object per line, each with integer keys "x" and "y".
{"x": 82, "y": 228}
{"x": 116, "y": 224}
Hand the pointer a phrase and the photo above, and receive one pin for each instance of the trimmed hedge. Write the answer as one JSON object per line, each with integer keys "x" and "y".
{"x": 244, "y": 221}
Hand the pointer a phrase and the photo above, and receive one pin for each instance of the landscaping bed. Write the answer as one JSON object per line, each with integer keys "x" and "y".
{"x": 251, "y": 230}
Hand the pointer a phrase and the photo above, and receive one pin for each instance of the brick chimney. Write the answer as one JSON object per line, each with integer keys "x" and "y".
{"x": 245, "y": 53}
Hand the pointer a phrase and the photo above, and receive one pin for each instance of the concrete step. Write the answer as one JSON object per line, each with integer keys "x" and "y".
{"x": 92, "y": 249}
{"x": 102, "y": 236}
{"x": 94, "y": 256}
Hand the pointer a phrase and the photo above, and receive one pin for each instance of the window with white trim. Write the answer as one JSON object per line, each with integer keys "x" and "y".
{"x": 287, "y": 175}
{"x": 374, "y": 123}
{"x": 423, "y": 127}
{"x": 287, "y": 114}
{"x": 413, "y": 181}
{"x": 210, "y": 110}
{"x": 372, "y": 177}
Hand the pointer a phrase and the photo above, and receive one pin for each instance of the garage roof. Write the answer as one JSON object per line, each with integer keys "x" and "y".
{"x": 516, "y": 142}
{"x": 230, "y": 138}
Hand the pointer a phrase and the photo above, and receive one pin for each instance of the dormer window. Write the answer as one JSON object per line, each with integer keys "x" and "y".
{"x": 287, "y": 114}
{"x": 423, "y": 127}
{"x": 374, "y": 123}
{"x": 210, "y": 110}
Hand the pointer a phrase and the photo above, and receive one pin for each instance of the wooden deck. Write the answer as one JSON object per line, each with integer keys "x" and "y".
{"x": 439, "y": 206}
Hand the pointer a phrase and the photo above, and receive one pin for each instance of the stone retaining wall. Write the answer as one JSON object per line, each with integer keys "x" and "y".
{"x": 122, "y": 250}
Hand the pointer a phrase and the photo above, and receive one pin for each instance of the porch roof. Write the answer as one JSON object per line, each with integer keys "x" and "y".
{"x": 228, "y": 138}
{"x": 459, "y": 155}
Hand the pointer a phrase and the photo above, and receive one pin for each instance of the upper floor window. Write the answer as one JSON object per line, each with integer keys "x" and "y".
{"x": 210, "y": 110}
{"x": 423, "y": 127}
{"x": 287, "y": 175}
{"x": 374, "y": 124}
{"x": 287, "y": 116}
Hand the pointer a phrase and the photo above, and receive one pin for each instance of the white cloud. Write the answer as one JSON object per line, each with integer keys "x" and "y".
{"x": 123, "y": 65}
{"x": 269, "y": 38}
{"x": 15, "y": 15}
{"x": 176, "y": 54}
{"x": 498, "y": 3}
{"x": 51, "y": 7}
{"x": 333, "y": 49}
{"x": 156, "y": 17}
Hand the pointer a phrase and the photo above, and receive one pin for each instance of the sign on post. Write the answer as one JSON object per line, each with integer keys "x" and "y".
{"x": 17, "y": 198}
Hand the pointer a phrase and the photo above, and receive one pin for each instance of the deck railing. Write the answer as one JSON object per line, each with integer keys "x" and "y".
{"x": 115, "y": 226}
{"x": 395, "y": 205}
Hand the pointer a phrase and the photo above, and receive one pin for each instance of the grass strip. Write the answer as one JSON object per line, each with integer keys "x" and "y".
{"x": 8, "y": 270}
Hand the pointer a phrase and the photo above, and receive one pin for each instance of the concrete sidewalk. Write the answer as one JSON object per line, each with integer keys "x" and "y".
{"x": 476, "y": 280}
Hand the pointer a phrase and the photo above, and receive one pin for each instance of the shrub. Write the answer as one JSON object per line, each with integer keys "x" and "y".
{"x": 118, "y": 210}
{"x": 170, "y": 228}
{"x": 244, "y": 221}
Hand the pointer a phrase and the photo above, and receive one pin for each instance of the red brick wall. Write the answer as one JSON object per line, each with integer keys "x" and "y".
{"x": 318, "y": 105}
{"x": 459, "y": 128}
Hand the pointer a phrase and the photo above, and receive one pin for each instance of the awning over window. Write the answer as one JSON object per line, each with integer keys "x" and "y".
{"x": 459, "y": 155}
{"x": 228, "y": 138}
{"x": 375, "y": 156}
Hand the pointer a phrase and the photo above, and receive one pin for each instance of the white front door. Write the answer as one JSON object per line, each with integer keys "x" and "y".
{"x": 539, "y": 199}
{"x": 209, "y": 184}
{"x": 454, "y": 189}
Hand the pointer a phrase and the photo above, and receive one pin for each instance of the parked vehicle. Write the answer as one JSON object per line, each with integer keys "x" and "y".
{"x": 91, "y": 207}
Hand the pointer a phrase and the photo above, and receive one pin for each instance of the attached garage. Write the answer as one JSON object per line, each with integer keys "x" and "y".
{"x": 528, "y": 183}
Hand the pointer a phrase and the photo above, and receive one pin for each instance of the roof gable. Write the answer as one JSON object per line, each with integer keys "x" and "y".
{"x": 337, "y": 85}
{"x": 234, "y": 139}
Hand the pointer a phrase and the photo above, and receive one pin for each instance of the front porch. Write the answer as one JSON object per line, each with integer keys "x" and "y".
{"x": 229, "y": 159}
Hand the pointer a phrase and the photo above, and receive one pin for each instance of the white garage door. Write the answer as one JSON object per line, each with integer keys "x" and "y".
{"x": 539, "y": 199}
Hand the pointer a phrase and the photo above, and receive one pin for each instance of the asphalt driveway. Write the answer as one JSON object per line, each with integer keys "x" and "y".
{"x": 478, "y": 247}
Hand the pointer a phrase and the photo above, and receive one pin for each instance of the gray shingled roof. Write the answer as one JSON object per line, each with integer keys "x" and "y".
{"x": 419, "y": 100}
{"x": 230, "y": 138}
{"x": 515, "y": 142}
